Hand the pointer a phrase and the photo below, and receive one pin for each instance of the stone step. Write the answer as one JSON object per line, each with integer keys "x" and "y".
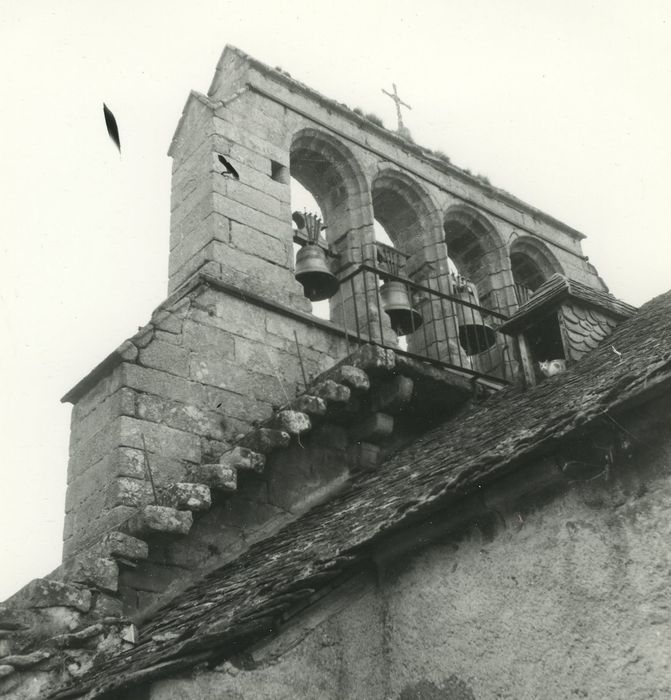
{"x": 312, "y": 405}
{"x": 265, "y": 440}
{"x": 353, "y": 377}
{"x": 187, "y": 496}
{"x": 331, "y": 391}
{"x": 152, "y": 520}
{"x": 292, "y": 422}
{"x": 90, "y": 569}
{"x": 243, "y": 458}
{"x": 119, "y": 545}
{"x": 219, "y": 477}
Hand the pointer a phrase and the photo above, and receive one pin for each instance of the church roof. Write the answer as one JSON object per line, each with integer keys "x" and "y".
{"x": 558, "y": 289}
{"x": 243, "y": 600}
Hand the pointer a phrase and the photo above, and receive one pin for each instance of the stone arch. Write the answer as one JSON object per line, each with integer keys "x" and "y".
{"x": 328, "y": 169}
{"x": 532, "y": 263}
{"x": 408, "y": 215}
{"x": 475, "y": 247}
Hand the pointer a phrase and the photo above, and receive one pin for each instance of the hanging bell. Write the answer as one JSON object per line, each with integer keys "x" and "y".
{"x": 313, "y": 273}
{"x": 396, "y": 303}
{"x": 475, "y": 336}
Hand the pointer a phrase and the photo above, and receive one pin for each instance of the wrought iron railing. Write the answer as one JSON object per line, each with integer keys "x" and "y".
{"x": 451, "y": 332}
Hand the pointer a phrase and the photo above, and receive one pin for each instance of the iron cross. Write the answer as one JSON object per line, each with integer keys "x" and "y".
{"x": 398, "y": 102}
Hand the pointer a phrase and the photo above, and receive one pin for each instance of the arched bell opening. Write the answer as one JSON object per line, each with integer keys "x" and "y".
{"x": 477, "y": 264}
{"x": 303, "y": 202}
{"x": 325, "y": 181}
{"x": 531, "y": 263}
{"x": 411, "y": 225}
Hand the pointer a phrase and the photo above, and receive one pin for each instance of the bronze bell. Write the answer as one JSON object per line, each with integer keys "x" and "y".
{"x": 396, "y": 303}
{"x": 475, "y": 336}
{"x": 313, "y": 273}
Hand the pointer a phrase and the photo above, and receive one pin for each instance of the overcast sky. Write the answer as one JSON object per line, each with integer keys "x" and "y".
{"x": 565, "y": 104}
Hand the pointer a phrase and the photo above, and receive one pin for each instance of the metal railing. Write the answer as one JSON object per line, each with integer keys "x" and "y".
{"x": 453, "y": 333}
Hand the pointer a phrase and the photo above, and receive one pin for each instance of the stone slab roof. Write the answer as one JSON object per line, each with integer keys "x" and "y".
{"x": 242, "y": 601}
{"x": 556, "y": 290}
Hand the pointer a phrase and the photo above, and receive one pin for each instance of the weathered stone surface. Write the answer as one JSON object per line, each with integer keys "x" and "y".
{"x": 331, "y": 391}
{"x": 187, "y": 496}
{"x": 353, "y": 377}
{"x": 216, "y": 476}
{"x": 312, "y": 405}
{"x": 21, "y": 661}
{"x": 392, "y": 395}
{"x": 166, "y": 357}
{"x": 14, "y": 619}
{"x": 43, "y": 593}
{"x": 91, "y": 569}
{"x": 119, "y": 544}
{"x": 373, "y": 358}
{"x": 5, "y": 670}
{"x": 266, "y": 440}
{"x": 160, "y": 519}
{"x": 129, "y": 492}
{"x": 107, "y": 606}
{"x": 243, "y": 458}
{"x": 292, "y": 422}
{"x": 374, "y": 428}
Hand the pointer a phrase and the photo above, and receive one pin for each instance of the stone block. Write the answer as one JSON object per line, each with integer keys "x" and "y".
{"x": 160, "y": 439}
{"x": 265, "y": 440}
{"x": 128, "y": 492}
{"x": 43, "y": 593}
{"x": 204, "y": 338}
{"x": 312, "y": 405}
{"x": 331, "y": 391}
{"x": 185, "y": 417}
{"x": 393, "y": 395}
{"x": 292, "y": 422}
{"x": 90, "y": 569}
{"x": 166, "y": 357}
{"x": 243, "y": 458}
{"x": 374, "y": 428}
{"x": 187, "y": 496}
{"x": 107, "y": 605}
{"x": 153, "y": 520}
{"x": 258, "y": 243}
{"x": 373, "y": 358}
{"x": 216, "y": 476}
{"x": 128, "y": 462}
{"x": 353, "y": 377}
{"x": 119, "y": 544}
{"x": 22, "y": 661}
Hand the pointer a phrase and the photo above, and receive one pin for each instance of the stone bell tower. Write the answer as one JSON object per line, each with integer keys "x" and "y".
{"x": 170, "y": 432}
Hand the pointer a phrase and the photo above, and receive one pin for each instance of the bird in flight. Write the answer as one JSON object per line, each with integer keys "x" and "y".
{"x": 230, "y": 170}
{"x": 112, "y": 128}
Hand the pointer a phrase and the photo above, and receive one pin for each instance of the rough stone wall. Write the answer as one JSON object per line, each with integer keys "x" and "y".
{"x": 204, "y": 371}
{"x": 562, "y": 597}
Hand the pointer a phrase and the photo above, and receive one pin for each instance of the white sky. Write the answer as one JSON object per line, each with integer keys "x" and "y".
{"x": 566, "y": 105}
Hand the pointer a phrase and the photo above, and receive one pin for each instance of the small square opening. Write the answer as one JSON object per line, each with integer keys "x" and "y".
{"x": 279, "y": 172}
